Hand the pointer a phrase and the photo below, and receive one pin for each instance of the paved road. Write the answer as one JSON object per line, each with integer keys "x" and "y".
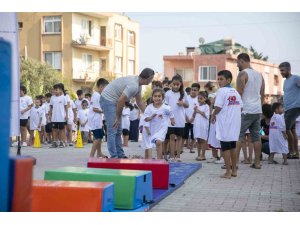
{"x": 273, "y": 188}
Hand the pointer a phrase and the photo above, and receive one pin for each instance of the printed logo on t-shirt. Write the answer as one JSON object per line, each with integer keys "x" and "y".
{"x": 232, "y": 101}
{"x": 273, "y": 125}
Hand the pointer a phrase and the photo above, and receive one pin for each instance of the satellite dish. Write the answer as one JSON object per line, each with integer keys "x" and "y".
{"x": 201, "y": 40}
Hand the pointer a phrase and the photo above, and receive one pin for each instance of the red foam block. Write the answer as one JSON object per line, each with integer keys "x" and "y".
{"x": 159, "y": 168}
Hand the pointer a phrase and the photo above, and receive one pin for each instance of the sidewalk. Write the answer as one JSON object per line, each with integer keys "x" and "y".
{"x": 273, "y": 188}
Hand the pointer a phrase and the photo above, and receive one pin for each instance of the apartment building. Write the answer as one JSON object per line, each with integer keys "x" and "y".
{"x": 83, "y": 46}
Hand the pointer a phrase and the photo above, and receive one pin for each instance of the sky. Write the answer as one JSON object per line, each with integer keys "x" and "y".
{"x": 277, "y": 35}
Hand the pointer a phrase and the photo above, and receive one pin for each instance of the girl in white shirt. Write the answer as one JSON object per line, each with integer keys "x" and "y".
{"x": 177, "y": 100}
{"x": 125, "y": 123}
{"x": 201, "y": 123}
{"x": 36, "y": 117}
{"x": 158, "y": 115}
{"x": 82, "y": 117}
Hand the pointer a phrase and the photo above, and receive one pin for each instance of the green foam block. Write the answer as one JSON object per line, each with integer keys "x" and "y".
{"x": 133, "y": 188}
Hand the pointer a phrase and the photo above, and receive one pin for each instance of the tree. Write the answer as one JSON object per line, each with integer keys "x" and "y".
{"x": 37, "y": 77}
{"x": 257, "y": 55}
{"x": 147, "y": 93}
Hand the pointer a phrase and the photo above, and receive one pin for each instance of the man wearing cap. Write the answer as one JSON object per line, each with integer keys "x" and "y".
{"x": 112, "y": 101}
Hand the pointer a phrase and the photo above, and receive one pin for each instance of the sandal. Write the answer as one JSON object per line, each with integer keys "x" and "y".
{"x": 234, "y": 175}
{"x": 198, "y": 158}
{"x": 253, "y": 166}
{"x": 292, "y": 156}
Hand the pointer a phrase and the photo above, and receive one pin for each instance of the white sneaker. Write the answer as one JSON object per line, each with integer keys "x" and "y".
{"x": 24, "y": 144}
{"x": 221, "y": 161}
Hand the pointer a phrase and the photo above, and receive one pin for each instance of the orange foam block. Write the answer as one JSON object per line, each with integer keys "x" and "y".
{"x": 72, "y": 196}
{"x": 21, "y": 183}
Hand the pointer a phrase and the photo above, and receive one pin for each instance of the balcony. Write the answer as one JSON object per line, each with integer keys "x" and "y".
{"x": 91, "y": 77}
{"x": 83, "y": 43}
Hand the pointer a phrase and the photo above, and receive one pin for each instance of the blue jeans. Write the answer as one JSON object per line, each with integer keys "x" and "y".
{"x": 114, "y": 141}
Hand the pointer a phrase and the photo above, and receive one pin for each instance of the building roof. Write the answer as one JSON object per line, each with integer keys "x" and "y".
{"x": 222, "y": 46}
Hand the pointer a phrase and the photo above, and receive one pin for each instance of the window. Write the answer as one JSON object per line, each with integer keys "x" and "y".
{"x": 131, "y": 38}
{"x": 53, "y": 59}
{"x": 276, "y": 80}
{"x": 131, "y": 67}
{"x": 118, "y": 32}
{"x": 118, "y": 66}
{"x": 20, "y": 25}
{"x": 103, "y": 36}
{"x": 52, "y": 24}
{"x": 86, "y": 27}
{"x": 102, "y": 65}
{"x": 87, "y": 62}
{"x": 207, "y": 73}
{"x": 186, "y": 74}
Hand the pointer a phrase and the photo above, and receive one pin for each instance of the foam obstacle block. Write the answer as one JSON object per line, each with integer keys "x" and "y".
{"x": 133, "y": 188}
{"x": 159, "y": 168}
{"x": 72, "y": 196}
{"x": 20, "y": 183}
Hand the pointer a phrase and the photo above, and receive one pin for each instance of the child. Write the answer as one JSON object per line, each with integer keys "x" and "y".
{"x": 88, "y": 97}
{"x": 79, "y": 99}
{"x": 82, "y": 117}
{"x": 44, "y": 111}
{"x": 96, "y": 119}
{"x": 146, "y": 137}
{"x": 201, "y": 123}
{"x": 227, "y": 115}
{"x": 59, "y": 115}
{"x": 36, "y": 117}
{"x": 25, "y": 106}
{"x": 277, "y": 134}
{"x": 72, "y": 114}
{"x": 158, "y": 115}
{"x": 125, "y": 123}
{"x": 48, "y": 127}
{"x": 188, "y": 129}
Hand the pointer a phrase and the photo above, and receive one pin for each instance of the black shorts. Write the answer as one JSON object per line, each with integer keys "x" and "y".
{"x": 227, "y": 145}
{"x": 48, "y": 128}
{"x": 188, "y": 129}
{"x": 23, "y": 122}
{"x": 290, "y": 117}
{"x": 178, "y": 131}
{"x": 125, "y": 132}
{"x": 98, "y": 133}
{"x": 58, "y": 125}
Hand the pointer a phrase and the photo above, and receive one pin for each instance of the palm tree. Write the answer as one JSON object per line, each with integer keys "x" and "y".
{"x": 257, "y": 55}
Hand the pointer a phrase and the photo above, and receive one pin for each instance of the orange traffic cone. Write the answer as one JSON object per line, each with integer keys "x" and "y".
{"x": 79, "y": 140}
{"x": 37, "y": 141}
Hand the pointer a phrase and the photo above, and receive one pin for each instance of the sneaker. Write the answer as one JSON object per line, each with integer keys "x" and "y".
{"x": 61, "y": 145}
{"x": 220, "y": 161}
{"x": 24, "y": 144}
{"x": 71, "y": 144}
{"x": 54, "y": 145}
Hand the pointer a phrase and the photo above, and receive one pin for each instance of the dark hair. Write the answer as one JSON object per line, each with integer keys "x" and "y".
{"x": 285, "y": 65}
{"x": 84, "y": 101}
{"x": 169, "y": 82}
{"x": 196, "y": 85}
{"x": 48, "y": 95}
{"x": 23, "y": 88}
{"x": 127, "y": 104}
{"x": 267, "y": 110}
{"x": 209, "y": 85}
{"x": 157, "y": 83}
{"x": 225, "y": 73}
{"x": 275, "y": 106}
{"x": 181, "y": 91}
{"x": 58, "y": 86}
{"x": 188, "y": 89}
{"x": 158, "y": 90}
{"x": 101, "y": 82}
{"x": 146, "y": 73}
{"x": 87, "y": 95}
{"x": 244, "y": 56}
{"x": 39, "y": 97}
{"x": 79, "y": 92}
{"x": 204, "y": 94}
{"x": 166, "y": 80}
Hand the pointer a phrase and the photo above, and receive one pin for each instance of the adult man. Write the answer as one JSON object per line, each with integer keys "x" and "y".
{"x": 251, "y": 86}
{"x": 291, "y": 101}
{"x": 112, "y": 102}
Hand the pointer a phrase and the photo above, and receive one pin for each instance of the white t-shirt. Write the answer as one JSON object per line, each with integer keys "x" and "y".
{"x": 47, "y": 110}
{"x": 82, "y": 116}
{"x": 171, "y": 99}
{"x": 134, "y": 114}
{"x": 35, "y": 115}
{"x": 25, "y": 101}
{"x": 160, "y": 123}
{"x": 192, "y": 103}
{"x": 201, "y": 123}
{"x": 276, "y": 139}
{"x": 58, "y": 112}
{"x": 228, "y": 120}
{"x": 125, "y": 118}
{"x": 79, "y": 102}
{"x": 44, "y": 111}
{"x": 71, "y": 112}
{"x": 146, "y": 139}
{"x": 95, "y": 119}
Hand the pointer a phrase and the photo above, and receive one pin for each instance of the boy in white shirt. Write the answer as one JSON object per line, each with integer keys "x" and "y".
{"x": 48, "y": 127}
{"x": 25, "y": 105}
{"x": 79, "y": 99}
{"x": 59, "y": 116}
{"x": 95, "y": 119}
{"x": 227, "y": 115}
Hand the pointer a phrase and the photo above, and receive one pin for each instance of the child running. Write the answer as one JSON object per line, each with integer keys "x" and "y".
{"x": 201, "y": 123}
{"x": 36, "y": 117}
{"x": 277, "y": 134}
{"x": 227, "y": 115}
{"x": 158, "y": 115}
{"x": 177, "y": 100}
